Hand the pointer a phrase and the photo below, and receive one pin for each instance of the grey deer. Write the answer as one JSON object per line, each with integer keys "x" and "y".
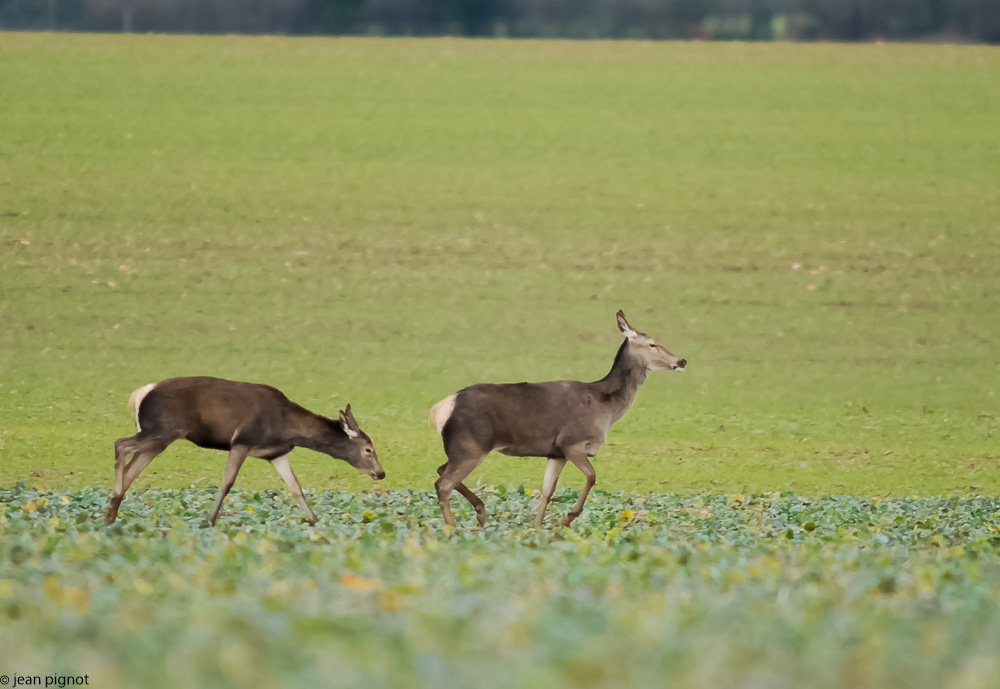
{"x": 564, "y": 420}
{"x": 247, "y": 419}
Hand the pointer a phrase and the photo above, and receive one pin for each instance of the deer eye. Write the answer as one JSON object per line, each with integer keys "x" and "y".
{"x": 368, "y": 450}
{"x": 653, "y": 345}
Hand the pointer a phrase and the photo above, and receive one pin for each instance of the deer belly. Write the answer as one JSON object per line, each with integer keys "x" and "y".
{"x": 210, "y": 443}
{"x": 527, "y": 451}
{"x": 270, "y": 453}
{"x": 210, "y": 439}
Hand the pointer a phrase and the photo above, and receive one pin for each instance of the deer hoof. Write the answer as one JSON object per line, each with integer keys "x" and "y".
{"x": 112, "y": 513}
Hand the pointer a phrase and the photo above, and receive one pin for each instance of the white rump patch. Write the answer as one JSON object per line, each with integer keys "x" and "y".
{"x": 135, "y": 400}
{"x": 441, "y": 412}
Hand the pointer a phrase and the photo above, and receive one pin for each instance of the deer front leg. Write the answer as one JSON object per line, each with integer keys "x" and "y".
{"x": 284, "y": 469}
{"x": 237, "y": 455}
{"x": 583, "y": 464}
{"x": 552, "y": 470}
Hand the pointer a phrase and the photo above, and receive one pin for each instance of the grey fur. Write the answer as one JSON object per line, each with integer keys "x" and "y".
{"x": 560, "y": 420}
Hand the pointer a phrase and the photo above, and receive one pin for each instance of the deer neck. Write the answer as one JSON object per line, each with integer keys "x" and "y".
{"x": 318, "y": 433}
{"x": 620, "y": 386}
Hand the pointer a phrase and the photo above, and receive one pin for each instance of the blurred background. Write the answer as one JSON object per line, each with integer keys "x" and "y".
{"x": 758, "y": 20}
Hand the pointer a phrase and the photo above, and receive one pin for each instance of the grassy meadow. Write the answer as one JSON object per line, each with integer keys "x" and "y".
{"x": 813, "y": 503}
{"x": 390, "y": 220}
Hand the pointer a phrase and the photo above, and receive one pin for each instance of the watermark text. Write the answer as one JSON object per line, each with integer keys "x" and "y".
{"x": 59, "y": 681}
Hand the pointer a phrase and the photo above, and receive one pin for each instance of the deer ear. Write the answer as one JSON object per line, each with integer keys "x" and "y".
{"x": 627, "y": 330}
{"x": 345, "y": 423}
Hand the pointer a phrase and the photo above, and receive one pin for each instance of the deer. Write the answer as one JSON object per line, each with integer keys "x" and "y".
{"x": 562, "y": 421}
{"x": 247, "y": 420}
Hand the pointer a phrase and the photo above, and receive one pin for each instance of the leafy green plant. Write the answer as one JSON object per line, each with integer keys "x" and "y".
{"x": 775, "y": 586}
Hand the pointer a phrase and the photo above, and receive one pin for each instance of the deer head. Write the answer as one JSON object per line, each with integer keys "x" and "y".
{"x": 359, "y": 451}
{"x": 641, "y": 347}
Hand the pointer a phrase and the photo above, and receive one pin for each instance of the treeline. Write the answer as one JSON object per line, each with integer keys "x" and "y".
{"x": 759, "y": 20}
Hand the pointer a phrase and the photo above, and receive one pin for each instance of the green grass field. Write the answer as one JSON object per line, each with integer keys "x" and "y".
{"x": 390, "y": 220}
{"x": 382, "y": 222}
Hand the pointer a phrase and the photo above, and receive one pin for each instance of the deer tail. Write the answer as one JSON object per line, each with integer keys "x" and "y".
{"x": 136, "y": 398}
{"x": 441, "y": 412}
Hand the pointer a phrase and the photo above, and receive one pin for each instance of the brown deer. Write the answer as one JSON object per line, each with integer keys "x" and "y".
{"x": 247, "y": 419}
{"x": 563, "y": 420}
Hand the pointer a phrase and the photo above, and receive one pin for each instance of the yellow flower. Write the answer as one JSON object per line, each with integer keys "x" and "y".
{"x": 626, "y": 515}
{"x": 77, "y": 597}
{"x": 64, "y": 500}
{"x": 279, "y": 587}
{"x": 389, "y": 601}
{"x": 31, "y": 506}
{"x": 54, "y": 521}
{"x": 355, "y": 582}
{"x": 250, "y": 509}
{"x": 52, "y": 588}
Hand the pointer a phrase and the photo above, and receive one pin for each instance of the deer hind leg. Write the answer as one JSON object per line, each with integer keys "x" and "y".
{"x": 464, "y": 455}
{"x": 451, "y": 478}
{"x": 143, "y": 451}
{"x": 583, "y": 464}
{"x": 237, "y": 455}
{"x": 474, "y": 499}
{"x": 124, "y": 447}
{"x": 552, "y": 470}
{"x": 284, "y": 469}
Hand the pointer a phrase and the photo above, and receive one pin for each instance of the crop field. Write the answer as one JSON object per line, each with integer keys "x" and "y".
{"x": 813, "y": 503}
{"x": 728, "y": 591}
